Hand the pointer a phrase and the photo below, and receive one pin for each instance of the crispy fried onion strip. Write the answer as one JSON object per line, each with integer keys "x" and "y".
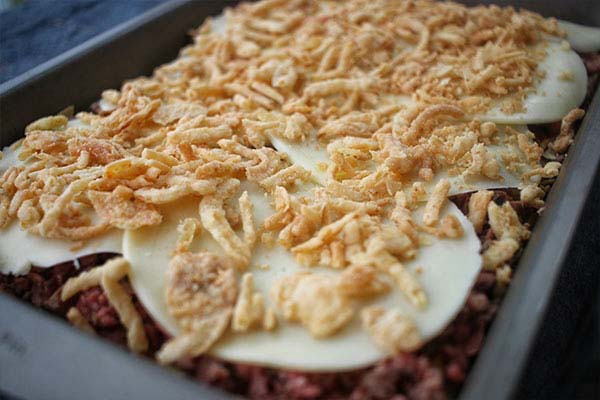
{"x": 435, "y": 202}
{"x": 361, "y": 281}
{"x": 78, "y": 320}
{"x": 314, "y": 301}
{"x": 419, "y": 124}
{"x": 385, "y": 261}
{"x": 250, "y": 310}
{"x": 188, "y": 229}
{"x": 121, "y": 209}
{"x": 213, "y": 217}
{"x": 478, "y": 204}
{"x": 108, "y": 277}
{"x": 50, "y": 225}
{"x": 378, "y": 254}
{"x": 564, "y": 139}
{"x": 391, "y": 330}
{"x": 325, "y": 234}
{"x": 178, "y": 188}
{"x": 200, "y": 295}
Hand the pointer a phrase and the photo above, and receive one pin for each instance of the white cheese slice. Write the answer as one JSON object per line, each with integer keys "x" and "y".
{"x": 449, "y": 268}
{"x": 106, "y": 106}
{"x": 219, "y": 24}
{"x": 582, "y": 38}
{"x": 19, "y": 249}
{"x": 312, "y": 156}
{"x": 461, "y": 185}
{"x": 562, "y": 88}
{"x": 77, "y": 123}
{"x": 10, "y": 157}
{"x": 510, "y": 175}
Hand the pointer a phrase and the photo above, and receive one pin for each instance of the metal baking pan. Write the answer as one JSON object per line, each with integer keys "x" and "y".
{"x": 42, "y": 357}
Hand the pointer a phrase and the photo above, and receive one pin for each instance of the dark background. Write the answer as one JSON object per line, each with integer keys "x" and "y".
{"x": 565, "y": 362}
{"x": 33, "y": 31}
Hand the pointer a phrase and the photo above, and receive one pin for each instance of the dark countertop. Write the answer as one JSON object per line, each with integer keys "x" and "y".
{"x": 565, "y": 363}
{"x": 37, "y": 30}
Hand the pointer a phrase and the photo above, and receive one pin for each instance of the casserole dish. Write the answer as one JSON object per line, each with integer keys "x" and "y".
{"x": 552, "y": 203}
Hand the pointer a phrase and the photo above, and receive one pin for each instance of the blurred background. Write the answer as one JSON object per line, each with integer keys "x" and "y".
{"x": 6, "y": 4}
{"x": 34, "y": 31}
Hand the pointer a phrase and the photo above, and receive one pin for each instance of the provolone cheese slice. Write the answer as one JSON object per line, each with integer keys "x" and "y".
{"x": 10, "y": 157}
{"x": 310, "y": 155}
{"x": 562, "y": 88}
{"x": 106, "y": 106}
{"x": 448, "y": 270}
{"x": 510, "y": 174}
{"x": 77, "y": 123}
{"x": 582, "y": 38}
{"x": 219, "y": 24}
{"x": 20, "y": 249}
{"x": 314, "y": 158}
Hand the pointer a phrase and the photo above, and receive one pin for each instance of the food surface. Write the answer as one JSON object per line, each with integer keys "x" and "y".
{"x": 312, "y": 186}
{"x": 443, "y": 265}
